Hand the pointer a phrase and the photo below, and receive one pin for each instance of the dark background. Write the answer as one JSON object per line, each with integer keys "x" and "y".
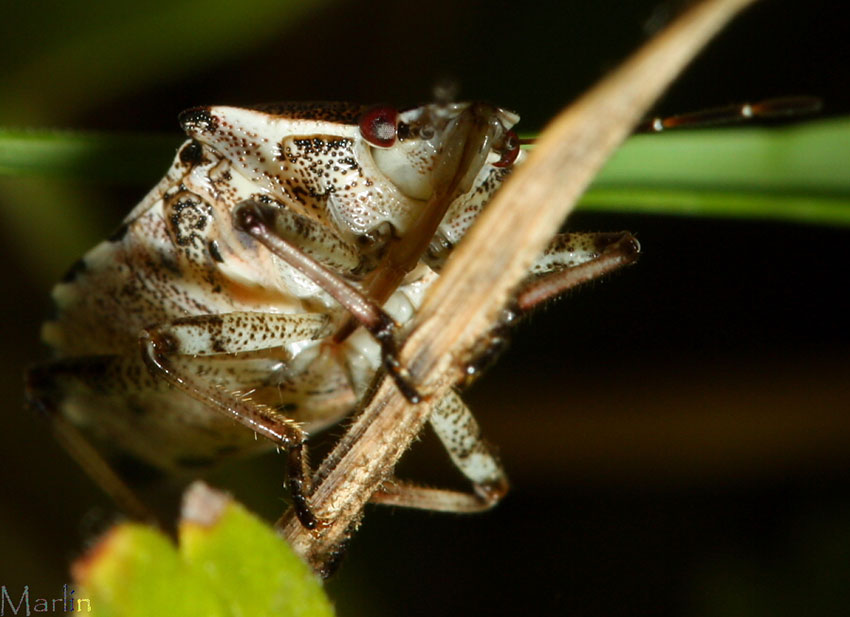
{"x": 677, "y": 435}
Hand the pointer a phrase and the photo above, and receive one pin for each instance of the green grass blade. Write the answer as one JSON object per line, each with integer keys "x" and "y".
{"x": 811, "y": 156}
{"x": 738, "y": 204}
{"x": 797, "y": 173}
{"x": 112, "y": 158}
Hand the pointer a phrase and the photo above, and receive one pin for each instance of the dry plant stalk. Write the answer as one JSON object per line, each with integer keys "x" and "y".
{"x": 477, "y": 281}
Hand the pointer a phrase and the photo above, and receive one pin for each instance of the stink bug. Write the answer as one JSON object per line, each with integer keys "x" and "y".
{"x": 262, "y": 285}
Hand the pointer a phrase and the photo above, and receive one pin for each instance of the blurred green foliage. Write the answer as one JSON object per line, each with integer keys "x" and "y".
{"x": 84, "y": 54}
{"x": 61, "y": 60}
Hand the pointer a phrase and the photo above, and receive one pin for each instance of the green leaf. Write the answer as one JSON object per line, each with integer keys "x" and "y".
{"x": 136, "y": 571}
{"x": 251, "y": 569}
{"x": 228, "y": 564}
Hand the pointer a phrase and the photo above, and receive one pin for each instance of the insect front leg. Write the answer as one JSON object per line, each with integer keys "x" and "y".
{"x": 238, "y": 333}
{"x": 569, "y": 260}
{"x": 458, "y": 431}
{"x": 572, "y": 259}
{"x": 260, "y": 221}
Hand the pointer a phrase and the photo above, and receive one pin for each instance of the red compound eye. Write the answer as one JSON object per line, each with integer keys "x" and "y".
{"x": 379, "y": 125}
{"x": 510, "y": 150}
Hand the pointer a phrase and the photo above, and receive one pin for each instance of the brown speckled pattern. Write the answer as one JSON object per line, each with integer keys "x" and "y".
{"x": 232, "y": 315}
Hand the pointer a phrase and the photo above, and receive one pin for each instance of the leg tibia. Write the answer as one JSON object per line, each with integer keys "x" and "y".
{"x": 407, "y": 495}
{"x": 260, "y": 221}
{"x": 573, "y": 259}
{"x": 457, "y": 429}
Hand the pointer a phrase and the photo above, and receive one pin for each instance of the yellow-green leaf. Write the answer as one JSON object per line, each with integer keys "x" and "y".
{"x": 251, "y": 569}
{"x": 228, "y": 564}
{"x": 135, "y": 571}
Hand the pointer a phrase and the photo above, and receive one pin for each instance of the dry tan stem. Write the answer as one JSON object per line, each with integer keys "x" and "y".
{"x": 465, "y": 301}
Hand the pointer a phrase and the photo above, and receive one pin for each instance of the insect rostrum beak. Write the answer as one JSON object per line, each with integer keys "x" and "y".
{"x": 464, "y": 149}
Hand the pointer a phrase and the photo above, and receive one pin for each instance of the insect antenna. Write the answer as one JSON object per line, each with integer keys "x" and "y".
{"x": 767, "y": 109}
{"x": 782, "y": 107}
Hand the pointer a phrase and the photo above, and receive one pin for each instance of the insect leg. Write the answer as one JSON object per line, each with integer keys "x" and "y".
{"x": 315, "y": 239}
{"x": 572, "y": 259}
{"x": 259, "y": 220}
{"x": 235, "y": 333}
{"x": 43, "y": 393}
{"x": 457, "y": 429}
{"x": 568, "y": 261}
